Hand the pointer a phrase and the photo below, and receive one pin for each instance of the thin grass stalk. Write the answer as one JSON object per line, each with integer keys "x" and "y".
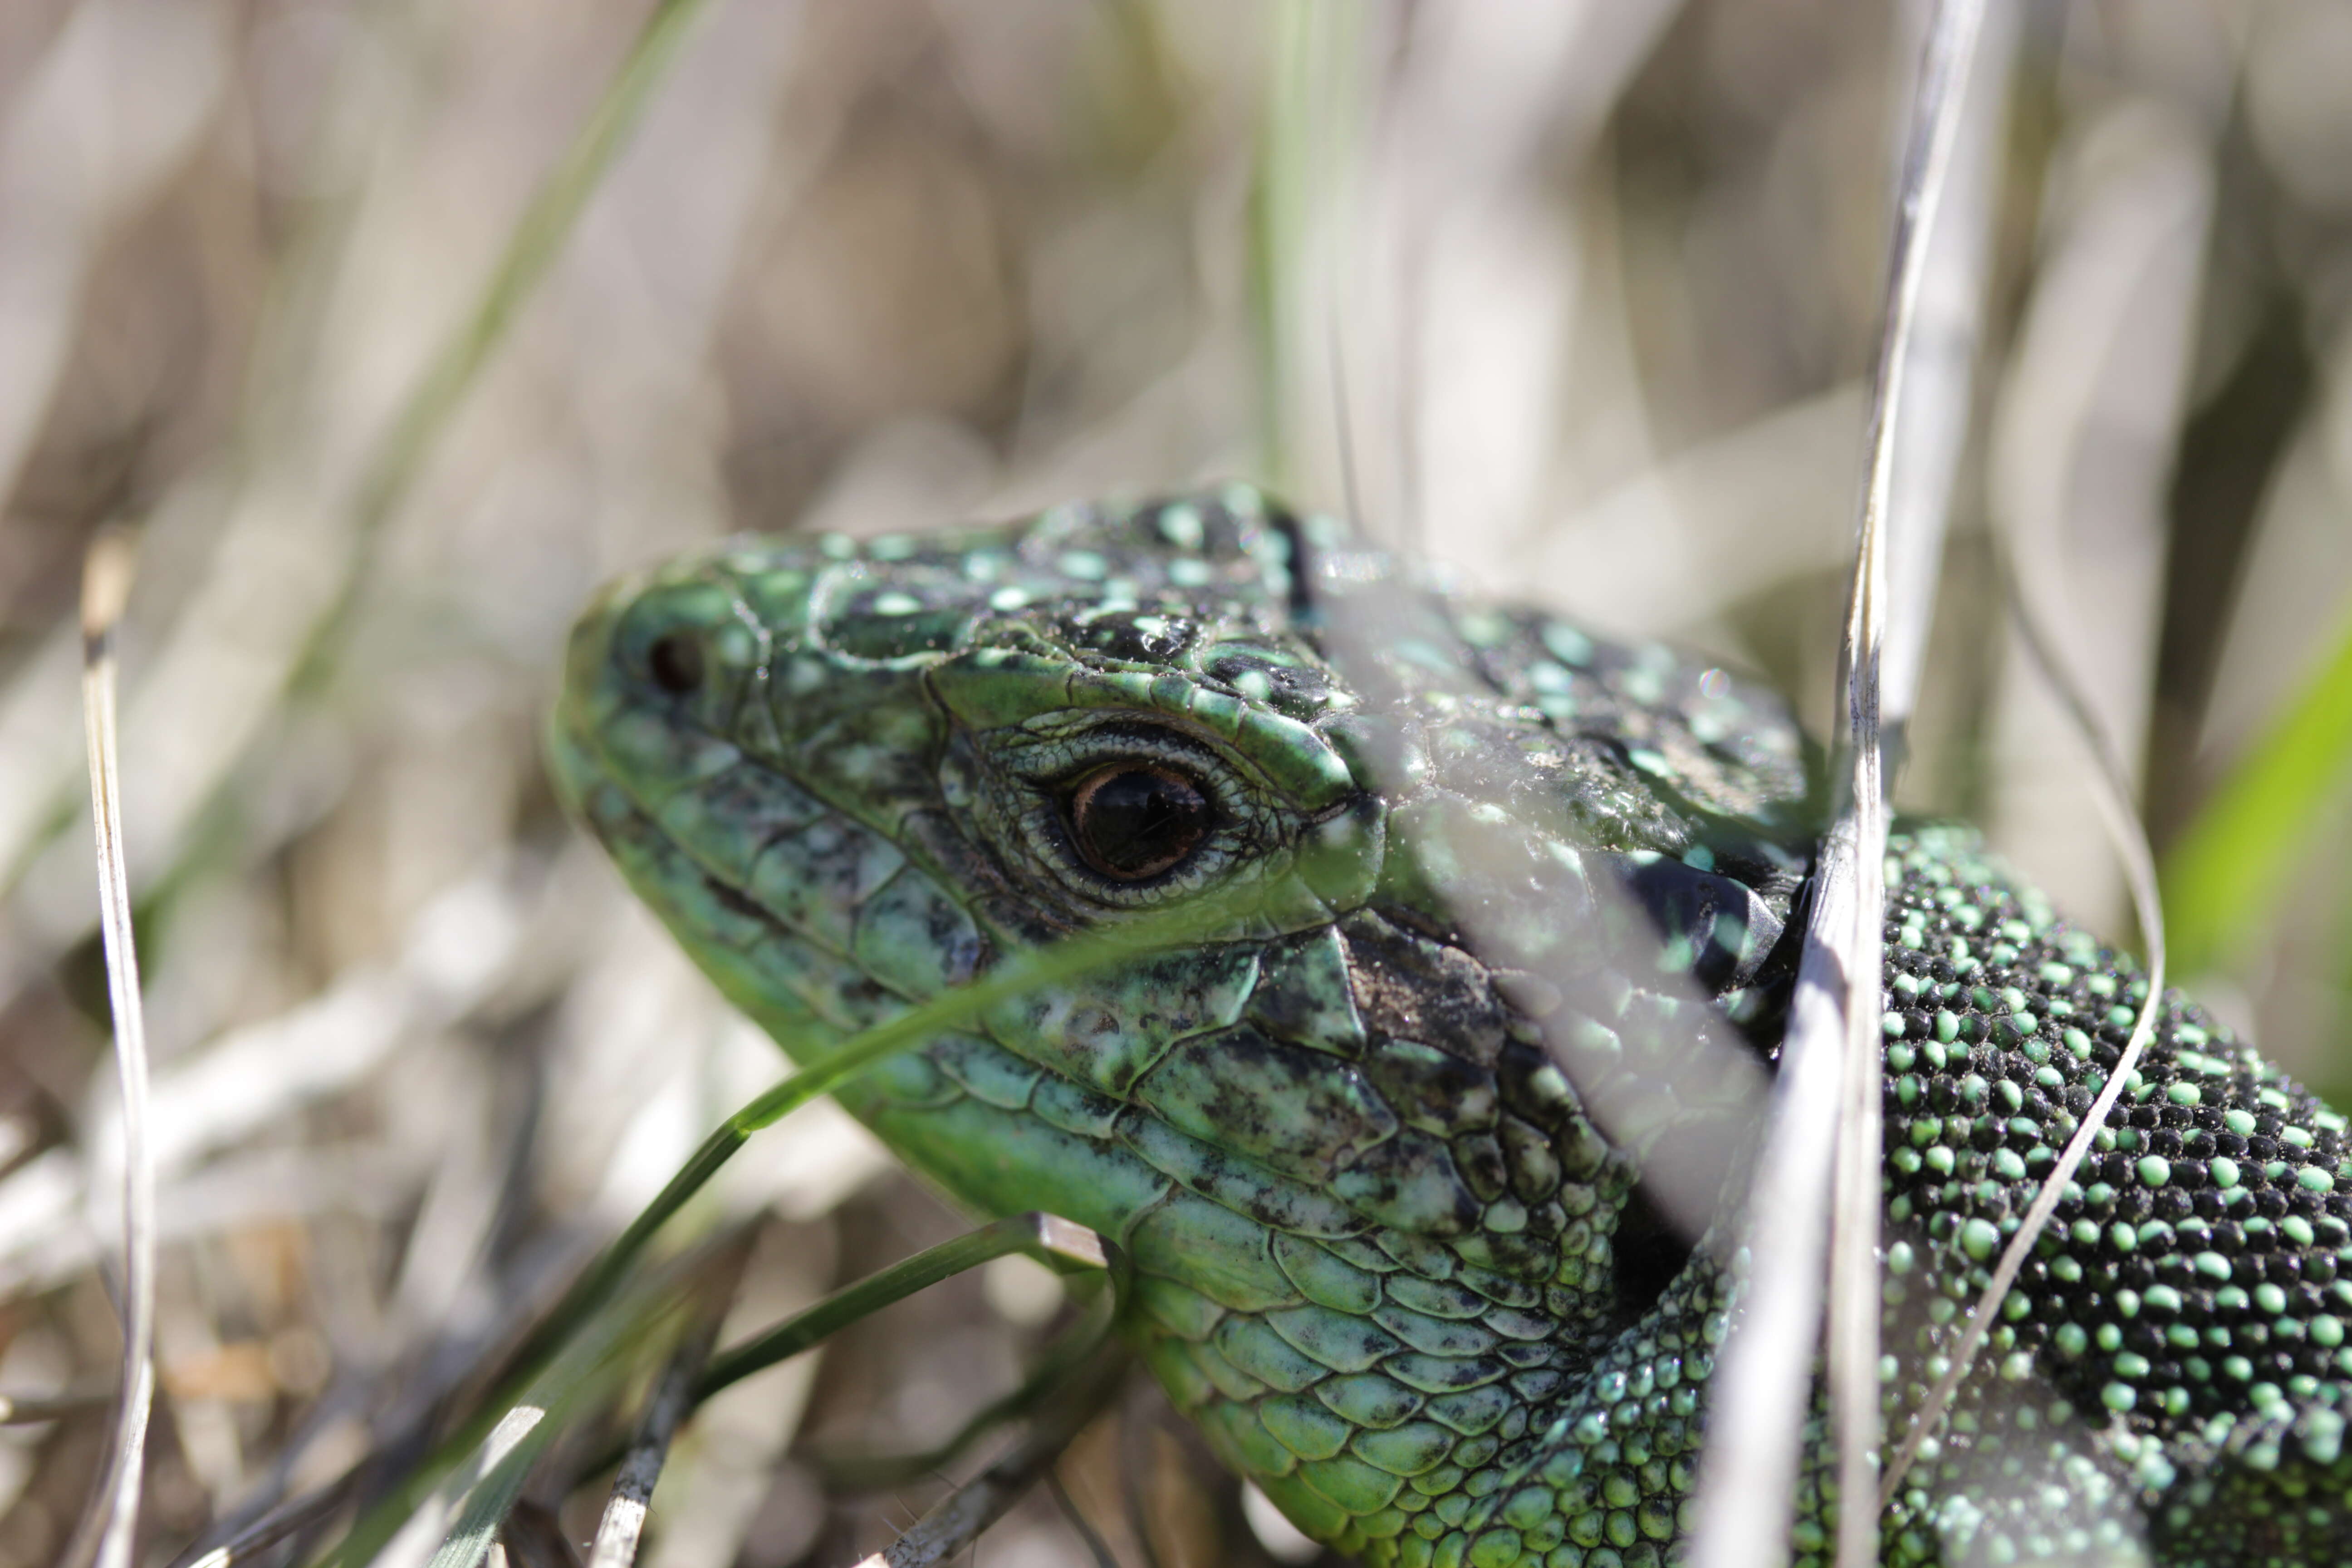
{"x": 1042, "y": 1234}
{"x": 1824, "y": 1136}
{"x": 1278, "y": 221}
{"x": 109, "y": 1519}
{"x": 1088, "y": 1536}
{"x": 538, "y": 239}
{"x": 960, "y": 1517}
{"x": 1305, "y": 164}
{"x": 2111, "y": 789}
{"x": 1855, "y": 1306}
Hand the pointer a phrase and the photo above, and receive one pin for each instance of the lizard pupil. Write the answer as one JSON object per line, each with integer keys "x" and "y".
{"x": 1132, "y": 820}
{"x": 674, "y": 661}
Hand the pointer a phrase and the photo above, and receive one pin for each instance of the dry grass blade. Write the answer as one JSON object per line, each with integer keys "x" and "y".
{"x": 622, "y": 1527}
{"x": 623, "y": 1521}
{"x": 30, "y": 1412}
{"x": 872, "y": 1472}
{"x": 964, "y": 1514}
{"x": 1946, "y": 332}
{"x": 281, "y": 1523}
{"x": 110, "y": 1516}
{"x": 1854, "y": 1277}
{"x": 2112, "y": 790}
{"x": 1096, "y": 1547}
{"x": 1824, "y": 1138}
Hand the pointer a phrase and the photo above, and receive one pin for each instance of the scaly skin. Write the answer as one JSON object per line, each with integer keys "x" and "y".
{"x": 1390, "y": 1154}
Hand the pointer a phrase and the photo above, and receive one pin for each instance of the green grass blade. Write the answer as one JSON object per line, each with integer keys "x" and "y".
{"x": 954, "y": 1009}
{"x": 589, "y": 1300}
{"x": 1042, "y": 1236}
{"x": 513, "y": 1448}
{"x": 1303, "y": 165}
{"x": 2223, "y": 878}
{"x": 1033, "y": 1233}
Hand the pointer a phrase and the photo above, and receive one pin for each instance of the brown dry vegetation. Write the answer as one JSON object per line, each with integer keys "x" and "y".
{"x": 1600, "y": 284}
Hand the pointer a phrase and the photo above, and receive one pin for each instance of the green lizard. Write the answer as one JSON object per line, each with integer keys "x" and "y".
{"x": 1392, "y": 1156}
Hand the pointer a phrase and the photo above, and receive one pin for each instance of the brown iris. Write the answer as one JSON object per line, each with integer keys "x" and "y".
{"x": 1134, "y": 820}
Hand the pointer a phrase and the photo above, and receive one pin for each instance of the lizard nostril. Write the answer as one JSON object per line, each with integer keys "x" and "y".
{"x": 674, "y": 661}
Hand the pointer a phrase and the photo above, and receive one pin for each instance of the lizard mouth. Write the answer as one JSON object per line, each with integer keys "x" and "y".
{"x": 803, "y": 992}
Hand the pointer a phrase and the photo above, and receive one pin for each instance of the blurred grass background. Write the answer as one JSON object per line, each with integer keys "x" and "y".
{"x": 1575, "y": 298}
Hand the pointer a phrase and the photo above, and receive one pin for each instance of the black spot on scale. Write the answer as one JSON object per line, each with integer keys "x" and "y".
{"x": 736, "y": 901}
{"x": 1290, "y": 687}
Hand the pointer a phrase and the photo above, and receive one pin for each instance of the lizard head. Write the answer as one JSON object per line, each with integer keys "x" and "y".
{"x": 915, "y": 754}
{"x": 1362, "y": 1195}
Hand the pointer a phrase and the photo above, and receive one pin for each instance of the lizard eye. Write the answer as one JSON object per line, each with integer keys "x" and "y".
{"x": 674, "y": 661}
{"x": 1134, "y": 820}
